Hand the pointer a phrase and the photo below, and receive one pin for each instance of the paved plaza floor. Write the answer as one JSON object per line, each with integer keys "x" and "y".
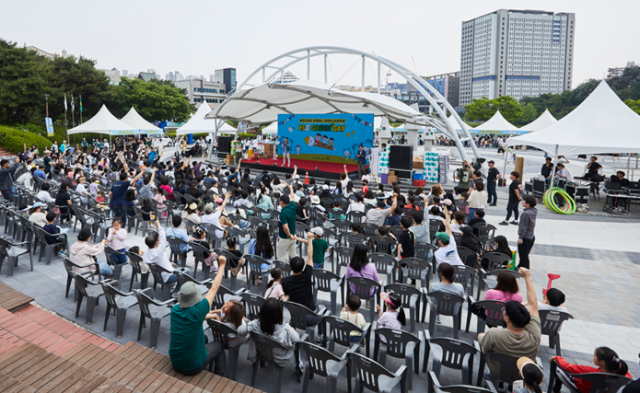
{"x": 598, "y": 257}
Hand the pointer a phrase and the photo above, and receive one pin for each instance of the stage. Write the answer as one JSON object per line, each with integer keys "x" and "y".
{"x": 328, "y": 170}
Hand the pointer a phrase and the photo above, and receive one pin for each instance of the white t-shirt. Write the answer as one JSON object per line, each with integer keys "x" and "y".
{"x": 565, "y": 173}
{"x": 449, "y": 254}
{"x": 214, "y": 219}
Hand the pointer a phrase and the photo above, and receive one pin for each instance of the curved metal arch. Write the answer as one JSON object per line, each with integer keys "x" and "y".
{"x": 437, "y": 101}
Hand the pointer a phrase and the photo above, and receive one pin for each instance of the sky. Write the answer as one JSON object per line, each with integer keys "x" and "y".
{"x": 197, "y": 37}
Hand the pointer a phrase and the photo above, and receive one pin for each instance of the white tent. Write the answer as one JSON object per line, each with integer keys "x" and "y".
{"x": 104, "y": 123}
{"x": 544, "y": 120}
{"x": 136, "y": 121}
{"x": 601, "y": 124}
{"x": 271, "y": 128}
{"x": 496, "y": 125}
{"x": 199, "y": 123}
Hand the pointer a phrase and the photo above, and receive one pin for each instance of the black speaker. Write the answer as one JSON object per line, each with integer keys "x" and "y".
{"x": 401, "y": 157}
{"x": 224, "y": 146}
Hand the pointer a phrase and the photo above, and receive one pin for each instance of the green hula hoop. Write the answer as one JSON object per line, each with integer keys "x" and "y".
{"x": 569, "y": 206}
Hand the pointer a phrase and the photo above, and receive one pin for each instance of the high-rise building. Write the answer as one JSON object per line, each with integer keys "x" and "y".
{"x": 516, "y": 53}
{"x": 448, "y": 85}
{"x": 200, "y": 90}
{"x": 228, "y": 77}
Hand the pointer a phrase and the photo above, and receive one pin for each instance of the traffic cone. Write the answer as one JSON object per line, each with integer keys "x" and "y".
{"x": 306, "y": 178}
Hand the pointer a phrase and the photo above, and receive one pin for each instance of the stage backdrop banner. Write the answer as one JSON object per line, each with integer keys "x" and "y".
{"x": 321, "y": 137}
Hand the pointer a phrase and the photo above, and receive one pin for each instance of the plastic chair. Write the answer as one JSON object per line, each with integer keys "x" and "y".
{"x": 343, "y": 254}
{"x": 485, "y": 230}
{"x": 485, "y": 282}
{"x": 47, "y": 249}
{"x": 400, "y": 345}
{"x": 92, "y": 290}
{"x": 370, "y": 372}
{"x": 239, "y": 236}
{"x": 117, "y": 268}
{"x": 423, "y": 250}
{"x": 450, "y": 353}
{"x": 145, "y": 223}
{"x": 299, "y": 314}
{"x": 465, "y": 276}
{"x": 369, "y": 229}
{"x": 342, "y": 226}
{"x": 351, "y": 239}
{"x": 176, "y": 251}
{"x": 339, "y": 332}
{"x": 600, "y": 382}
{"x": 12, "y": 252}
{"x": 356, "y": 217}
{"x": 284, "y": 266}
{"x": 220, "y": 331}
{"x": 224, "y": 294}
{"x": 382, "y": 245}
{"x": 135, "y": 261}
{"x": 199, "y": 252}
{"x": 156, "y": 271}
{"x": 264, "y": 354}
{"x": 433, "y": 386}
{"x": 410, "y": 298}
{"x": 326, "y": 364}
{"x": 493, "y": 317}
{"x": 367, "y": 290}
{"x": 326, "y": 281}
{"x": 153, "y": 310}
{"x": 227, "y": 268}
{"x": 204, "y": 286}
{"x": 68, "y": 265}
{"x": 434, "y": 226}
{"x": 301, "y": 232}
{"x": 551, "y": 323}
{"x": 468, "y": 256}
{"x": 508, "y": 369}
{"x": 254, "y": 263}
{"x": 396, "y": 230}
{"x": 385, "y": 264}
{"x": 444, "y": 304}
{"x": 120, "y": 302}
{"x": 415, "y": 269}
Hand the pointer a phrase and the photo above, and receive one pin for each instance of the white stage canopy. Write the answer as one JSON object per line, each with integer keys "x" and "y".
{"x": 199, "y": 123}
{"x": 104, "y": 123}
{"x": 263, "y": 103}
{"x": 136, "y": 121}
{"x": 271, "y": 128}
{"x": 496, "y": 125}
{"x": 544, "y": 120}
{"x": 601, "y": 124}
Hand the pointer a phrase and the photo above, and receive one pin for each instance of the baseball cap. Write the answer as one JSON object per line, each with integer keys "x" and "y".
{"x": 315, "y": 200}
{"x": 391, "y": 298}
{"x": 325, "y": 187}
{"x": 208, "y": 208}
{"x": 38, "y": 204}
{"x": 443, "y": 237}
{"x": 219, "y": 201}
{"x": 491, "y": 162}
{"x": 193, "y": 206}
{"x": 317, "y": 231}
{"x": 446, "y": 202}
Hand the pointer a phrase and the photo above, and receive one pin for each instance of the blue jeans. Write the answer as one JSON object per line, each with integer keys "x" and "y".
{"x": 472, "y": 212}
{"x": 491, "y": 191}
{"x": 120, "y": 259}
{"x": 119, "y": 211}
{"x": 105, "y": 269}
{"x": 174, "y": 277}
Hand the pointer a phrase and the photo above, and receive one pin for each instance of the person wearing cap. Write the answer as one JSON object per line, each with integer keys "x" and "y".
{"x": 191, "y": 214}
{"x": 39, "y": 172}
{"x": 287, "y": 227}
{"x": 448, "y": 251}
{"x": 315, "y": 201}
{"x": 63, "y": 147}
{"x": 320, "y": 247}
{"x": 523, "y": 332}
{"x": 492, "y": 179}
{"x": 378, "y": 215}
{"x": 214, "y": 216}
{"x": 188, "y": 349}
{"x": 37, "y": 215}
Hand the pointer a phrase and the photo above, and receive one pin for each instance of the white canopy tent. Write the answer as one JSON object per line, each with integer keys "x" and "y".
{"x": 544, "y": 120}
{"x": 271, "y": 128}
{"x": 199, "y": 123}
{"x": 601, "y": 124}
{"x": 104, "y": 123}
{"x": 133, "y": 119}
{"x": 496, "y": 125}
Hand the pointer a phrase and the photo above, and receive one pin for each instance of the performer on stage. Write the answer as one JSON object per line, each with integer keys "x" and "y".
{"x": 286, "y": 149}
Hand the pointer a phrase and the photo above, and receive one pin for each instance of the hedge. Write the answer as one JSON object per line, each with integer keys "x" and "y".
{"x": 13, "y": 140}
{"x": 59, "y": 133}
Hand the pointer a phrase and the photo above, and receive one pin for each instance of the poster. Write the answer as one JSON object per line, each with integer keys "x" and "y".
{"x": 325, "y": 137}
{"x": 49, "y": 124}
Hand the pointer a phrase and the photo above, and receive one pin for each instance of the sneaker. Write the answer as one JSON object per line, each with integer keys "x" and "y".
{"x": 301, "y": 367}
{"x": 62, "y": 254}
{"x": 503, "y": 223}
{"x": 493, "y": 204}
{"x": 438, "y": 322}
{"x": 514, "y": 222}
{"x": 319, "y": 339}
{"x": 213, "y": 269}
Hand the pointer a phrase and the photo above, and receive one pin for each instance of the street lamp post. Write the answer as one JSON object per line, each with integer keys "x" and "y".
{"x": 46, "y": 97}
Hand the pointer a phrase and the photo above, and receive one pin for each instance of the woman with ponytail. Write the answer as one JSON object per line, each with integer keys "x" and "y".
{"x": 604, "y": 358}
{"x": 531, "y": 375}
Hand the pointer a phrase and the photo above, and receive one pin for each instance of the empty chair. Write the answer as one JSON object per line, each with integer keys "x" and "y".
{"x": 465, "y": 276}
{"x": 155, "y": 311}
{"x": 600, "y": 382}
{"x": 415, "y": 269}
{"x": 255, "y": 265}
{"x": 136, "y": 268}
{"x": 177, "y": 255}
{"x": 339, "y": 332}
{"x": 426, "y": 251}
{"x": 321, "y": 362}
{"x": 89, "y": 289}
{"x": 220, "y": 331}
{"x": 252, "y": 304}
{"x": 204, "y": 286}
{"x": 375, "y": 377}
{"x": 410, "y": 298}
{"x": 385, "y": 264}
{"x": 120, "y": 302}
{"x": 492, "y": 317}
{"x": 343, "y": 255}
{"x": 444, "y": 304}
{"x": 367, "y": 290}
{"x": 551, "y": 323}
{"x": 11, "y": 252}
{"x": 299, "y": 318}
{"x": 351, "y": 239}
{"x": 450, "y": 353}
{"x": 265, "y": 346}
{"x": 400, "y": 345}
{"x": 433, "y": 386}
{"x": 156, "y": 271}
{"x": 326, "y": 281}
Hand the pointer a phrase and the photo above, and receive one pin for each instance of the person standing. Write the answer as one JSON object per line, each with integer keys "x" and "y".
{"x": 547, "y": 169}
{"x": 119, "y": 191}
{"x": 362, "y": 161}
{"x": 464, "y": 176}
{"x": 287, "y": 227}
{"x": 526, "y": 229}
{"x": 286, "y": 149}
{"x": 514, "y": 199}
{"x": 492, "y": 179}
{"x": 7, "y": 174}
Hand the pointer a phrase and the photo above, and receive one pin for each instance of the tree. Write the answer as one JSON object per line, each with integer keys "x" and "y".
{"x": 509, "y": 107}
{"x": 634, "y": 105}
{"x": 529, "y": 114}
{"x": 483, "y": 109}
{"x": 154, "y": 100}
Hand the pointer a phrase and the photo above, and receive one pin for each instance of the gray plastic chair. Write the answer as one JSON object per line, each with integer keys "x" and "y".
{"x": 117, "y": 268}
{"x": 444, "y": 304}
{"x": 508, "y": 369}
{"x": 241, "y": 237}
{"x": 11, "y": 252}
{"x": 254, "y": 263}
{"x": 410, "y": 298}
{"x": 339, "y": 332}
{"x": 326, "y": 281}
{"x": 385, "y": 264}
{"x": 600, "y": 382}
{"x": 450, "y": 353}
{"x": 285, "y": 267}
{"x": 204, "y": 286}
{"x": 154, "y": 311}
{"x": 468, "y": 256}
{"x": 199, "y": 252}
{"x": 252, "y": 304}
{"x": 299, "y": 314}
{"x": 485, "y": 282}
{"x": 551, "y": 323}
{"x": 487, "y": 230}
{"x": 368, "y": 229}
{"x": 120, "y": 302}
{"x": 224, "y": 294}
{"x": 355, "y": 217}
{"x": 343, "y": 254}
{"x": 220, "y": 331}
{"x": 370, "y": 373}
{"x": 434, "y": 386}
{"x": 47, "y": 250}
{"x": 141, "y": 221}
{"x": 135, "y": 260}
{"x": 227, "y": 267}
{"x": 176, "y": 252}
{"x": 92, "y": 290}
{"x": 382, "y": 245}
{"x": 68, "y": 265}
{"x": 423, "y": 250}
{"x": 400, "y": 345}
{"x": 156, "y": 271}
{"x": 493, "y": 317}
{"x": 351, "y": 239}
{"x": 465, "y": 275}
{"x": 363, "y": 287}
{"x": 415, "y": 269}
{"x": 324, "y": 363}
{"x": 264, "y": 354}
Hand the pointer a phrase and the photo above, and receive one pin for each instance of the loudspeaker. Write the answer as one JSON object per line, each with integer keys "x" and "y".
{"x": 401, "y": 157}
{"x": 224, "y": 146}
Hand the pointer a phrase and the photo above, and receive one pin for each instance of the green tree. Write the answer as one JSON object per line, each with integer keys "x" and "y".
{"x": 483, "y": 109}
{"x": 154, "y": 100}
{"x": 509, "y": 107}
{"x": 634, "y": 105}
{"x": 529, "y": 114}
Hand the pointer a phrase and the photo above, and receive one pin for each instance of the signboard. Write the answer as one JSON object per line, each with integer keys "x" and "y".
{"x": 124, "y": 132}
{"x": 325, "y": 137}
{"x": 49, "y": 124}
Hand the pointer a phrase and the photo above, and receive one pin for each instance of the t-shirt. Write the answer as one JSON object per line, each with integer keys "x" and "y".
{"x": 356, "y": 319}
{"x": 407, "y": 239}
{"x": 47, "y": 163}
{"x": 448, "y": 253}
{"x": 288, "y": 216}
{"x": 512, "y": 191}
{"x": 493, "y": 294}
{"x": 454, "y": 289}
{"x": 275, "y": 291}
{"x": 593, "y": 169}
{"x": 515, "y": 345}
{"x": 52, "y": 229}
{"x": 377, "y": 216}
{"x": 421, "y": 233}
{"x": 465, "y": 176}
{"x": 492, "y": 175}
{"x": 389, "y": 319}
{"x": 62, "y": 198}
{"x": 299, "y": 288}
{"x": 187, "y": 348}
{"x": 320, "y": 246}
{"x": 395, "y": 220}
{"x": 118, "y": 192}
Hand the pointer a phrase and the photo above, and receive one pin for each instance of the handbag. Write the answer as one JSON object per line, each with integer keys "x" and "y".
{"x": 56, "y": 210}
{"x": 477, "y": 310}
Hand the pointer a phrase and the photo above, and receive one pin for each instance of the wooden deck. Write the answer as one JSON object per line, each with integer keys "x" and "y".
{"x": 12, "y": 300}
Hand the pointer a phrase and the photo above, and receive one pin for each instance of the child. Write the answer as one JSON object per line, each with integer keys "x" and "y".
{"x": 274, "y": 288}
{"x": 236, "y": 263}
{"x": 394, "y": 317}
{"x": 232, "y": 315}
{"x": 365, "y": 186}
{"x": 55, "y": 233}
{"x": 100, "y": 197}
{"x": 336, "y": 212}
{"x": 159, "y": 197}
{"x": 351, "y": 314}
{"x": 604, "y": 358}
{"x": 146, "y": 208}
{"x": 446, "y": 284}
{"x": 406, "y": 240}
{"x": 320, "y": 247}
{"x": 116, "y": 238}
{"x": 355, "y": 228}
{"x": 200, "y": 235}
{"x": 478, "y": 219}
{"x": 457, "y": 222}
{"x": 144, "y": 268}
{"x": 93, "y": 187}
{"x": 531, "y": 376}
